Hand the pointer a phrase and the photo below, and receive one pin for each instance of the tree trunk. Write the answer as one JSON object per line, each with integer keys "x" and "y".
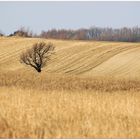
{"x": 39, "y": 70}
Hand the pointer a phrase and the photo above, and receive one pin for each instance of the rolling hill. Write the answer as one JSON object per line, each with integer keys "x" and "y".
{"x": 86, "y": 90}
{"x": 87, "y": 58}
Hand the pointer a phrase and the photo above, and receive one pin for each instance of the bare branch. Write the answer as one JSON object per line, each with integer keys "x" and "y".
{"x": 38, "y": 55}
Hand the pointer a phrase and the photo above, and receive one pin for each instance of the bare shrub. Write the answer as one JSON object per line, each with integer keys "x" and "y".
{"x": 38, "y": 55}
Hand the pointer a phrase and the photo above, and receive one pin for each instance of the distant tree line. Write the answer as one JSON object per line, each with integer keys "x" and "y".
{"x": 95, "y": 33}
{"x": 1, "y": 34}
{"x": 23, "y": 32}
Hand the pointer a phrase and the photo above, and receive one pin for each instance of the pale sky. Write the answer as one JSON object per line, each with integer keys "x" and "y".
{"x": 46, "y": 15}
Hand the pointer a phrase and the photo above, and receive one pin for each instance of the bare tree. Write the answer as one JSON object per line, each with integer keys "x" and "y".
{"x": 96, "y": 33}
{"x": 38, "y": 55}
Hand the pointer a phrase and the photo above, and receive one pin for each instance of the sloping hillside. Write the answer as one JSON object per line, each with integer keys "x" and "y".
{"x": 77, "y": 57}
{"x": 85, "y": 102}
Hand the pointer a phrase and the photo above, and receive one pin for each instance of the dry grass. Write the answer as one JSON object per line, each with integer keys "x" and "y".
{"x": 68, "y": 107}
{"x": 44, "y": 81}
{"x": 58, "y": 105}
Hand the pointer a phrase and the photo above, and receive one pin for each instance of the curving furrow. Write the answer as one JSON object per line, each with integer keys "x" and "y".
{"x": 77, "y": 57}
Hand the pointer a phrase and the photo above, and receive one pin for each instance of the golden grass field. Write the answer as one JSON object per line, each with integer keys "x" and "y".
{"x": 89, "y": 89}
